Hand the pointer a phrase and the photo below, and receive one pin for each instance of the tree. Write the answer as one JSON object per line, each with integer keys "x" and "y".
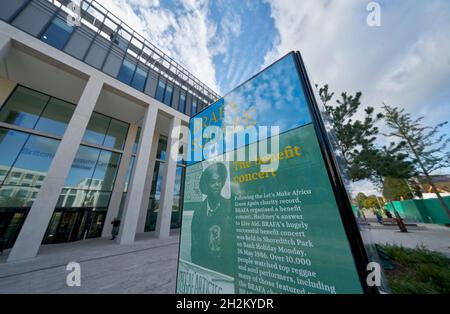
{"x": 397, "y": 189}
{"x": 377, "y": 163}
{"x": 372, "y": 202}
{"x": 425, "y": 146}
{"x": 355, "y": 141}
{"x": 360, "y": 199}
{"x": 353, "y": 136}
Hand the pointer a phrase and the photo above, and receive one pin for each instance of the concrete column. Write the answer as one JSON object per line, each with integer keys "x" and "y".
{"x": 148, "y": 185}
{"x": 5, "y": 46}
{"x": 119, "y": 186}
{"x": 6, "y": 88}
{"x": 31, "y": 235}
{"x": 168, "y": 183}
{"x": 135, "y": 193}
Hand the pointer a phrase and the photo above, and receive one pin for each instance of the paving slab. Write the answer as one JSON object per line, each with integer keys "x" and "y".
{"x": 147, "y": 266}
{"x": 433, "y": 237}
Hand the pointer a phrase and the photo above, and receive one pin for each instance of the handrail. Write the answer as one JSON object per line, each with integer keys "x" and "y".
{"x": 107, "y": 25}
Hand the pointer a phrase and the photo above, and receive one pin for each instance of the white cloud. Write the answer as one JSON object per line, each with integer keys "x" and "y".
{"x": 405, "y": 62}
{"x": 186, "y": 34}
{"x": 231, "y": 23}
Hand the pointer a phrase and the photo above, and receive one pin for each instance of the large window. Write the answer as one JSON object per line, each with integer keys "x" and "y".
{"x": 26, "y": 155}
{"x": 182, "y": 105}
{"x": 56, "y": 117}
{"x": 24, "y": 163}
{"x": 155, "y": 197}
{"x": 194, "y": 107}
{"x": 24, "y": 108}
{"x": 139, "y": 79}
{"x": 57, "y": 33}
{"x": 162, "y": 147}
{"x": 96, "y": 129}
{"x": 164, "y": 92}
{"x": 116, "y": 135}
{"x": 33, "y": 110}
{"x": 126, "y": 72}
{"x": 160, "y": 90}
{"x": 155, "y": 194}
{"x": 125, "y": 190}
{"x": 168, "y": 95}
{"x": 105, "y": 131}
{"x": 178, "y": 197}
{"x": 91, "y": 179}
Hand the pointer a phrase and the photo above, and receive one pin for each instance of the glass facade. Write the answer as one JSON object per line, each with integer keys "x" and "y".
{"x": 168, "y": 95}
{"x": 116, "y": 135}
{"x": 83, "y": 203}
{"x": 106, "y": 131}
{"x": 194, "y": 107}
{"x": 160, "y": 90}
{"x": 126, "y": 72}
{"x": 182, "y": 105}
{"x": 139, "y": 79}
{"x": 34, "y": 124}
{"x": 56, "y": 117}
{"x": 27, "y": 155}
{"x": 155, "y": 194}
{"x": 24, "y": 163}
{"x": 57, "y": 33}
{"x": 107, "y": 44}
{"x": 24, "y": 108}
{"x": 164, "y": 92}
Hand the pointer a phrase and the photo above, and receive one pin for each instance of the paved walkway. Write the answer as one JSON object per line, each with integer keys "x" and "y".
{"x": 147, "y": 266}
{"x": 433, "y": 237}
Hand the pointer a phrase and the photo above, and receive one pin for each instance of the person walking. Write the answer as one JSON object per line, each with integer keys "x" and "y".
{"x": 115, "y": 230}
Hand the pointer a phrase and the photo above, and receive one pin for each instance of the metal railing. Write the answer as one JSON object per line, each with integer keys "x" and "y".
{"x": 105, "y": 24}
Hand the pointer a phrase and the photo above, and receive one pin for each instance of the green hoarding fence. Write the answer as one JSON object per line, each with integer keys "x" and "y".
{"x": 422, "y": 210}
{"x": 355, "y": 210}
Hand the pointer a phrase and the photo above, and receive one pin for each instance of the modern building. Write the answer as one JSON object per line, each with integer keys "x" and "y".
{"x": 87, "y": 107}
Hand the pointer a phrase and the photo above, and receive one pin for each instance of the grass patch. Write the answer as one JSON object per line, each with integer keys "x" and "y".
{"x": 417, "y": 270}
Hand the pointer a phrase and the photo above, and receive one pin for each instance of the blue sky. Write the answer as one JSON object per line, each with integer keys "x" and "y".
{"x": 251, "y": 37}
{"x": 223, "y": 42}
{"x": 404, "y": 62}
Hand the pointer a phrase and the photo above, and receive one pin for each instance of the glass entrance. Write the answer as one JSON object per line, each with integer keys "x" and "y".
{"x": 95, "y": 223}
{"x": 10, "y": 223}
{"x": 69, "y": 225}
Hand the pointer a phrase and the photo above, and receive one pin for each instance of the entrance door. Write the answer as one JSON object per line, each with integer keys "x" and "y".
{"x": 73, "y": 224}
{"x": 10, "y": 224}
{"x": 67, "y": 230}
{"x": 65, "y": 226}
{"x": 95, "y": 224}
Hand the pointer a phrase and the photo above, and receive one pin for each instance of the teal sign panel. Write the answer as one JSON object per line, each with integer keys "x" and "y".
{"x": 246, "y": 229}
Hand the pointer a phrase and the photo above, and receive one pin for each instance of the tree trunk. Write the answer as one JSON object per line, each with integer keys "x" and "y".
{"x": 428, "y": 178}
